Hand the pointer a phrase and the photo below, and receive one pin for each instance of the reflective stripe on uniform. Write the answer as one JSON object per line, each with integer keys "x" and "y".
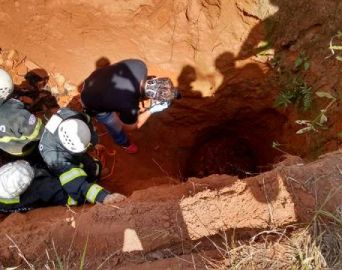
{"x": 34, "y": 134}
{"x": 71, "y": 175}
{"x": 97, "y": 169}
{"x": 92, "y": 192}
{"x": 10, "y": 201}
{"x": 71, "y": 201}
{"x": 23, "y": 153}
{"x": 88, "y": 117}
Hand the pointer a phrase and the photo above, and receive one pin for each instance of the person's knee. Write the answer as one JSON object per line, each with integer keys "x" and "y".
{"x": 103, "y": 117}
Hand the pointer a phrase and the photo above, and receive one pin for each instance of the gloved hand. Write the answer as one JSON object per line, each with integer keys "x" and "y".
{"x": 159, "y": 107}
{"x": 113, "y": 198}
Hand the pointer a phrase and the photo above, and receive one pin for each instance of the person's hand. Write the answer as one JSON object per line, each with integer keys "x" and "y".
{"x": 159, "y": 107}
{"x": 113, "y": 198}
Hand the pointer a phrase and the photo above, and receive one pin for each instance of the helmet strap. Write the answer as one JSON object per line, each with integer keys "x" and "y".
{"x": 53, "y": 123}
{"x": 142, "y": 89}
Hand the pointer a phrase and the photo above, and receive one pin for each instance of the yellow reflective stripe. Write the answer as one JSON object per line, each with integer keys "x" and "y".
{"x": 71, "y": 201}
{"x": 16, "y": 154}
{"x": 37, "y": 129}
{"x": 31, "y": 137}
{"x": 92, "y": 192}
{"x": 71, "y": 175}
{"x": 10, "y": 201}
{"x": 24, "y": 153}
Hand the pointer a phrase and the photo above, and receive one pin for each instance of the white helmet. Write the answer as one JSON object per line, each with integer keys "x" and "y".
{"x": 6, "y": 84}
{"x": 160, "y": 89}
{"x": 15, "y": 178}
{"x": 74, "y": 135}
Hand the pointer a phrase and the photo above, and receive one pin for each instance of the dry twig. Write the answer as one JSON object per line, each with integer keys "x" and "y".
{"x": 20, "y": 253}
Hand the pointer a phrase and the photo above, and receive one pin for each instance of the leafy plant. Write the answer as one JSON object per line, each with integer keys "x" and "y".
{"x": 302, "y": 62}
{"x": 321, "y": 119}
{"x": 276, "y": 145}
{"x": 334, "y": 47}
{"x": 296, "y": 90}
{"x": 298, "y": 93}
{"x": 285, "y": 98}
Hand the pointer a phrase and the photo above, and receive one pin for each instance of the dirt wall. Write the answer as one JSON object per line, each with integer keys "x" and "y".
{"x": 176, "y": 218}
{"x": 230, "y": 59}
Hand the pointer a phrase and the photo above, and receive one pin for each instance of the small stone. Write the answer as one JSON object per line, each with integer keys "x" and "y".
{"x": 61, "y": 90}
{"x": 60, "y": 80}
{"x": 12, "y": 54}
{"x": 9, "y": 63}
{"x": 69, "y": 87}
{"x": 54, "y": 90}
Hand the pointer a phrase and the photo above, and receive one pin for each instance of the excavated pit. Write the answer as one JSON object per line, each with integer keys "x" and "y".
{"x": 226, "y": 122}
{"x": 229, "y": 149}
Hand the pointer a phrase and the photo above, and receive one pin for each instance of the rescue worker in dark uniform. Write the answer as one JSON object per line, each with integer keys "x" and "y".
{"x": 24, "y": 187}
{"x": 20, "y": 130}
{"x": 112, "y": 94}
{"x": 63, "y": 145}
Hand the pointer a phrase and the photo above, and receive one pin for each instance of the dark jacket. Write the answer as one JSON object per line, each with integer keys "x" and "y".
{"x": 77, "y": 173}
{"x": 44, "y": 190}
{"x": 115, "y": 88}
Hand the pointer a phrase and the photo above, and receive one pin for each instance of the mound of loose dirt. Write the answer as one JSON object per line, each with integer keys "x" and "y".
{"x": 166, "y": 221}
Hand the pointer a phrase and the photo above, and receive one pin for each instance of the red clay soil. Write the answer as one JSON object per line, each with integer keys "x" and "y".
{"x": 225, "y": 123}
{"x": 165, "y": 221}
{"x": 211, "y": 51}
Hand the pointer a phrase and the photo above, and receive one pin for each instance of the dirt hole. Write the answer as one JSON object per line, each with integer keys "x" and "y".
{"x": 241, "y": 146}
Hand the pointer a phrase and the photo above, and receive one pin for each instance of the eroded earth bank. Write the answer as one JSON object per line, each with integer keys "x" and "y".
{"x": 222, "y": 174}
